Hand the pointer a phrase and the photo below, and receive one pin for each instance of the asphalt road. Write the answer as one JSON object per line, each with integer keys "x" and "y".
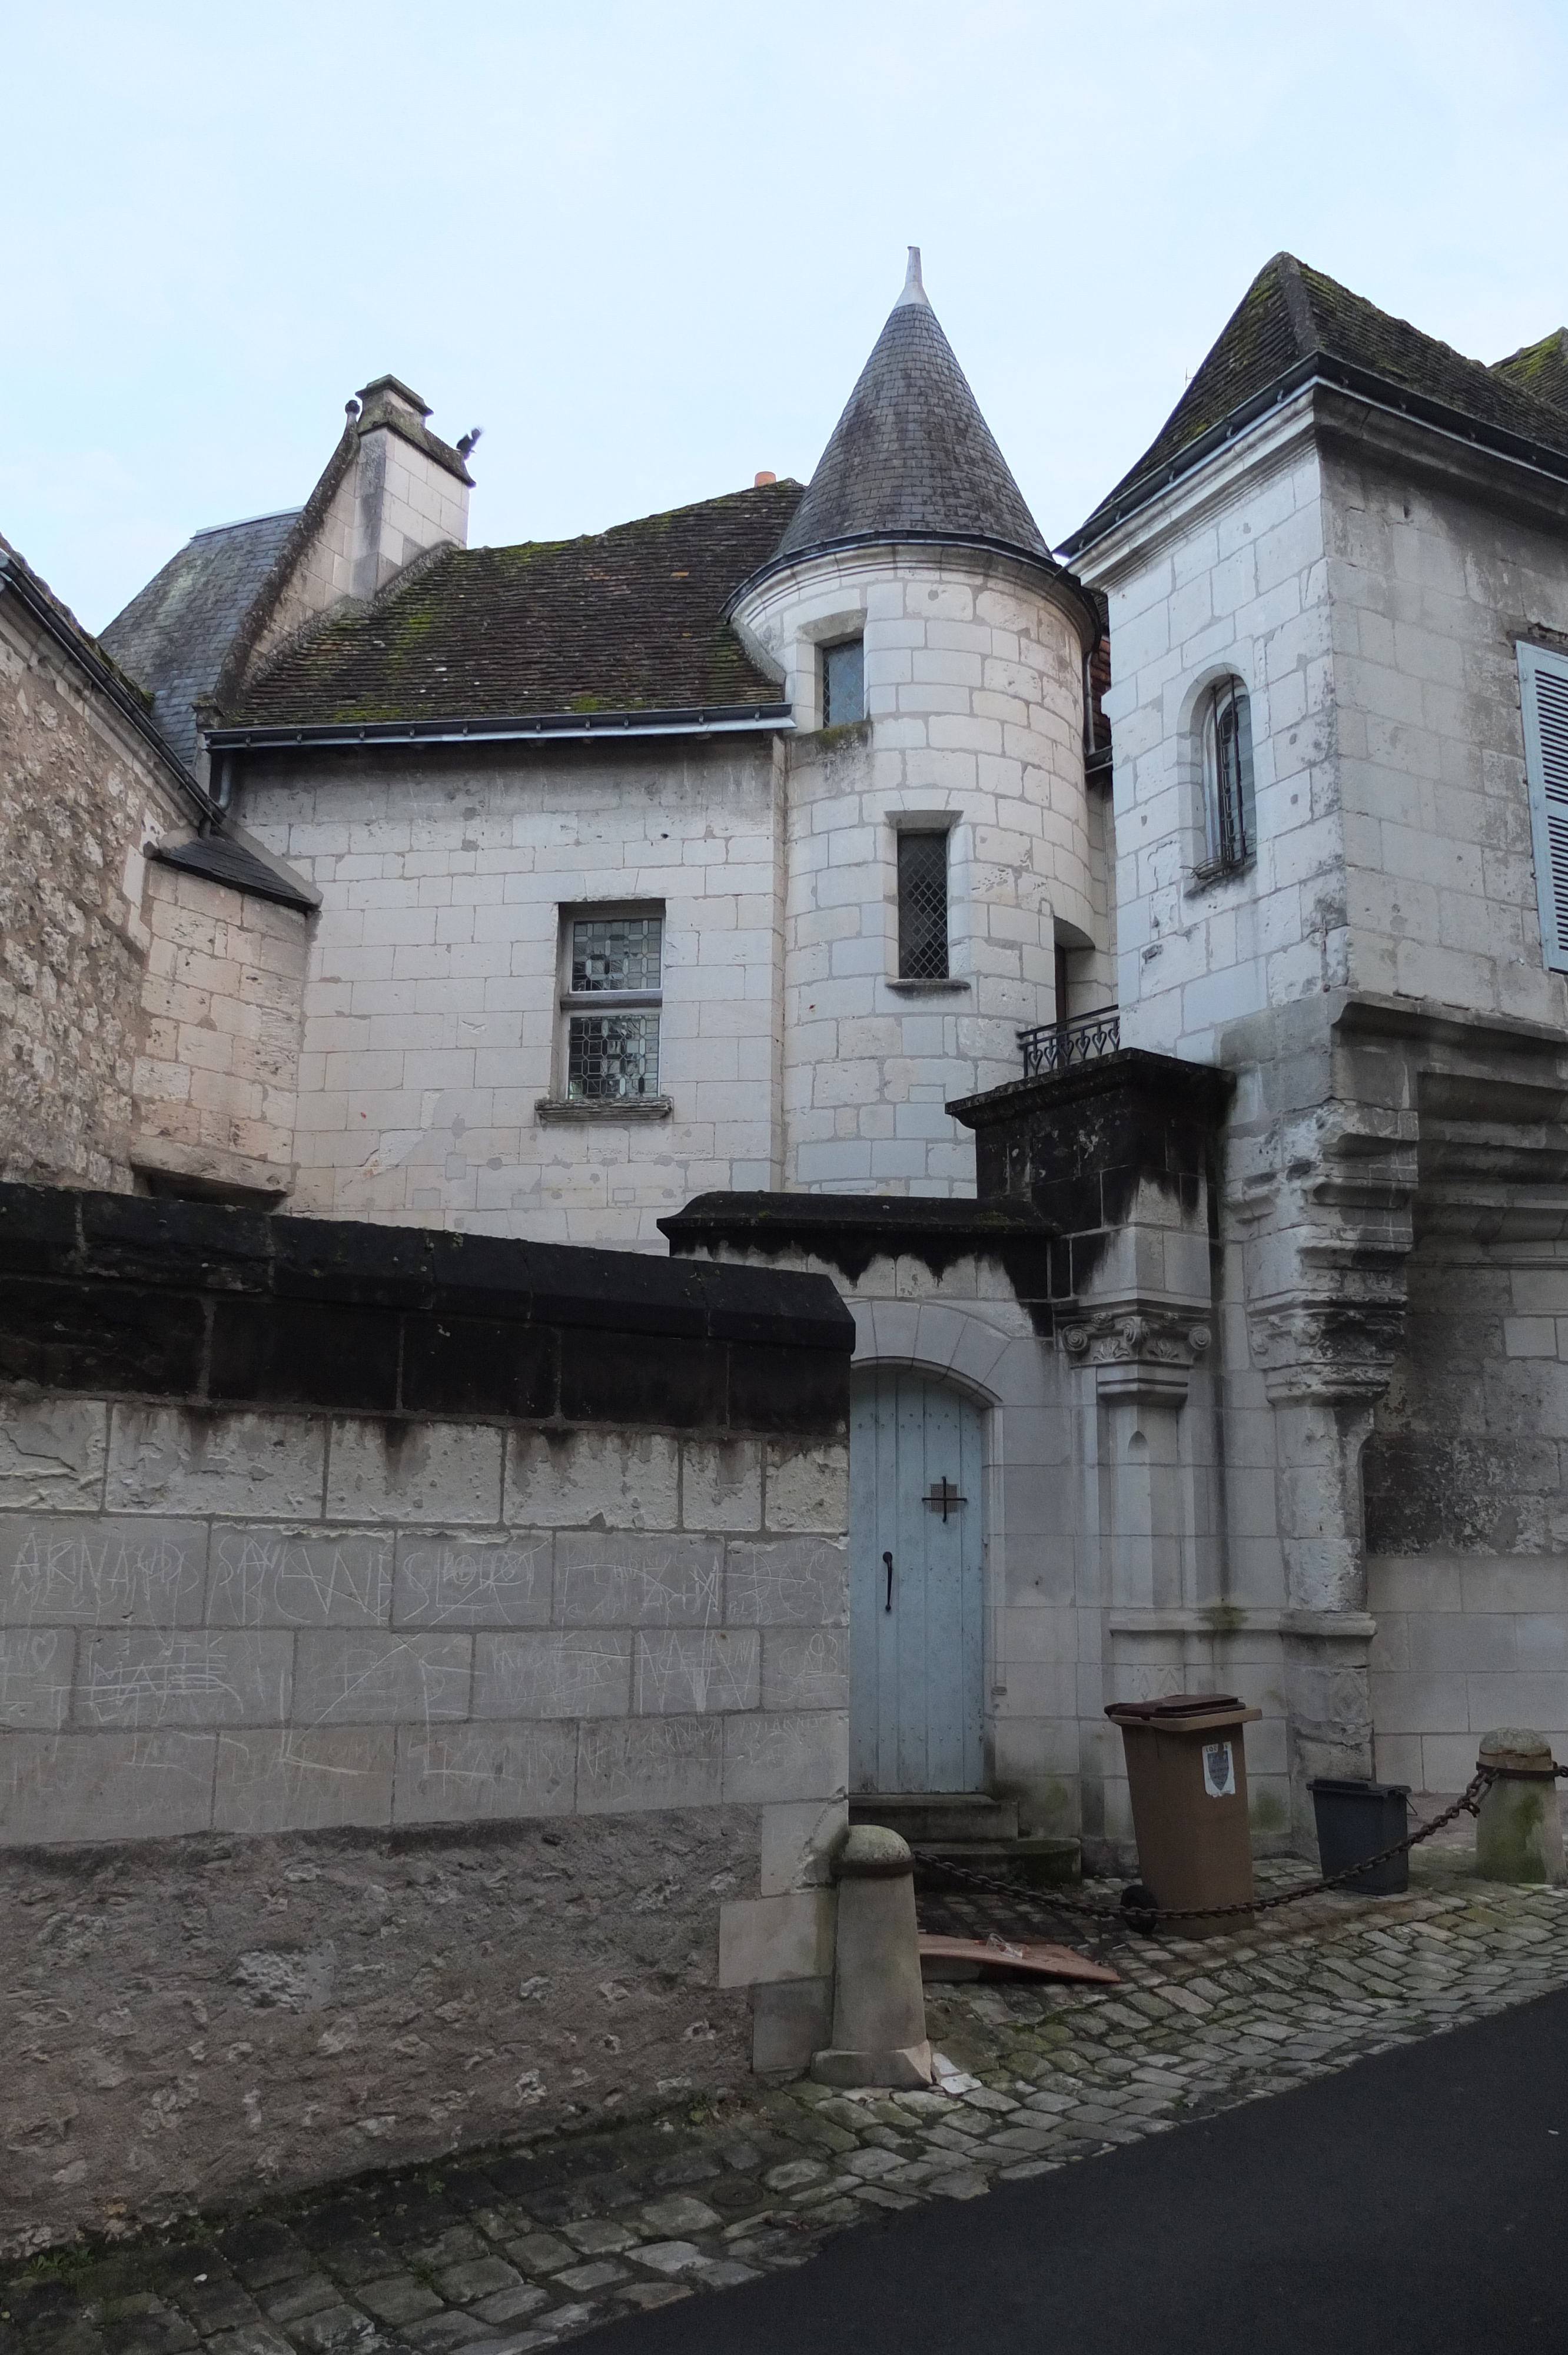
{"x": 1417, "y": 2202}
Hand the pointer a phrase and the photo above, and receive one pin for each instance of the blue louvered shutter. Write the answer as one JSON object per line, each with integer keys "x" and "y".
{"x": 1543, "y": 697}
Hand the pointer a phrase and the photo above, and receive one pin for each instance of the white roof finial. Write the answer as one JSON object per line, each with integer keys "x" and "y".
{"x": 913, "y": 292}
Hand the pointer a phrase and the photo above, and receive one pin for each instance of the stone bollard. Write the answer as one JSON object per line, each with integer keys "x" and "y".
{"x": 879, "y": 2003}
{"x": 1519, "y": 1830}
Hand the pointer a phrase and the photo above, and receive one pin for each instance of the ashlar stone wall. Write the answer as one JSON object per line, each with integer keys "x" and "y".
{"x": 422, "y": 1692}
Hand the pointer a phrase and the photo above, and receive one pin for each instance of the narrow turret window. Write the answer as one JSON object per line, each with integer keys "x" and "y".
{"x": 611, "y": 1001}
{"x": 1227, "y": 777}
{"x": 922, "y": 907}
{"x": 843, "y": 683}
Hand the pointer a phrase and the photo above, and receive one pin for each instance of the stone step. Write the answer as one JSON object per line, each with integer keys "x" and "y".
{"x": 1040, "y": 1859}
{"x": 924, "y": 1817}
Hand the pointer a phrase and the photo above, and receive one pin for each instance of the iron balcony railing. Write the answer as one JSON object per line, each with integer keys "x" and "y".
{"x": 1055, "y": 1046}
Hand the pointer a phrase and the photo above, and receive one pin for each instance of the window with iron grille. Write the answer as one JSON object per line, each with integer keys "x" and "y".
{"x": 1227, "y": 777}
{"x": 922, "y": 907}
{"x": 843, "y": 683}
{"x": 614, "y": 990}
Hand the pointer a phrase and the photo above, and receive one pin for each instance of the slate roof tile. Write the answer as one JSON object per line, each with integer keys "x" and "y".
{"x": 1540, "y": 369}
{"x": 626, "y": 619}
{"x": 912, "y": 452}
{"x": 176, "y": 633}
{"x": 1290, "y": 315}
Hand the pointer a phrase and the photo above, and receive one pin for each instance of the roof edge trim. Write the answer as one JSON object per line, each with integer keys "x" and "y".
{"x": 345, "y": 734}
{"x": 1366, "y": 385}
{"x": 15, "y": 576}
{"x": 1036, "y": 560}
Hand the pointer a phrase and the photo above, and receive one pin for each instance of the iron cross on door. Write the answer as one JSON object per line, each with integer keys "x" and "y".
{"x": 915, "y": 1653}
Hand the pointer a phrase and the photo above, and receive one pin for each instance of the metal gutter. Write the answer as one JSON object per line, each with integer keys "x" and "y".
{"x": 722, "y": 720}
{"x": 14, "y": 577}
{"x": 1364, "y": 385}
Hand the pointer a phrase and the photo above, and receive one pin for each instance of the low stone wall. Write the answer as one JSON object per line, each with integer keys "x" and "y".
{"x": 392, "y": 1758}
{"x": 1465, "y": 1643}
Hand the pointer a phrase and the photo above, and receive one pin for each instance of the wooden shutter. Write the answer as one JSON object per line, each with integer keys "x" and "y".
{"x": 1543, "y": 697}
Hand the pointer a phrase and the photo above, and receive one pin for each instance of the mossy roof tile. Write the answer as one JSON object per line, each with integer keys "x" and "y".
{"x": 626, "y": 619}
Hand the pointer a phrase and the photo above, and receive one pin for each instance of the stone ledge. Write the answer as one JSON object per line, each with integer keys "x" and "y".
{"x": 612, "y": 1109}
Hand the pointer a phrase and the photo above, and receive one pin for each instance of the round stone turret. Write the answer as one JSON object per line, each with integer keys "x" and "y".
{"x": 941, "y": 845}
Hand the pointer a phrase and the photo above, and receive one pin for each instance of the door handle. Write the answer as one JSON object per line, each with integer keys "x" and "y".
{"x": 887, "y": 1558}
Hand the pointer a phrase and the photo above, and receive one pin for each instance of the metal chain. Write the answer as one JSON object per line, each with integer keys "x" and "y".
{"x": 1145, "y": 1917}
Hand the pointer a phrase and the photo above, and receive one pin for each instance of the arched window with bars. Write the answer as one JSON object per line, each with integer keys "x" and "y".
{"x": 1229, "y": 807}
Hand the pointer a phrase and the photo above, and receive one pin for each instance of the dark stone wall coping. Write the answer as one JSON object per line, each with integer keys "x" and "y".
{"x": 214, "y": 1306}
{"x": 1201, "y": 1092}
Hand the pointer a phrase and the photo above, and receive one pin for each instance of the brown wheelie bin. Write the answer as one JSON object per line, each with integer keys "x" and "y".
{"x": 1186, "y": 1768}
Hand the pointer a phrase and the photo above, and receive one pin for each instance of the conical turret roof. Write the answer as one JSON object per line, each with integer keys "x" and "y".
{"x": 912, "y": 452}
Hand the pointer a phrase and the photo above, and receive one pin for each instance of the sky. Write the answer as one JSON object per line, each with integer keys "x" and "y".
{"x": 648, "y": 244}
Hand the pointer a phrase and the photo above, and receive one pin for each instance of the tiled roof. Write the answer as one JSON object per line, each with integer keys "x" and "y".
{"x": 912, "y": 452}
{"x": 621, "y": 621}
{"x": 218, "y": 858}
{"x": 1292, "y": 316}
{"x": 174, "y": 634}
{"x": 1540, "y": 369}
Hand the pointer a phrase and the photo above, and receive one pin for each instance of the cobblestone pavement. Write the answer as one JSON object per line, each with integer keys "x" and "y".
{"x": 515, "y": 2252}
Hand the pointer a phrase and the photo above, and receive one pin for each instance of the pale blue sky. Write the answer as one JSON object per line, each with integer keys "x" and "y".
{"x": 647, "y": 247}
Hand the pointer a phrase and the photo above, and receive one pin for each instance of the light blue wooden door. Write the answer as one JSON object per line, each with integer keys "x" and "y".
{"x": 915, "y": 1668}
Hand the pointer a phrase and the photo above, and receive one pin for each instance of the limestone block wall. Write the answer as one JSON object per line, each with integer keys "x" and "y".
{"x": 408, "y": 1652}
{"x": 1227, "y": 575}
{"x": 974, "y": 723}
{"x": 433, "y": 1030}
{"x": 214, "y": 1080}
{"x": 1431, "y": 589}
{"x": 80, "y": 796}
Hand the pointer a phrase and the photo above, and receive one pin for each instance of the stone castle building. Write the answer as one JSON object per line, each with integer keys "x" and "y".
{"x": 1134, "y": 974}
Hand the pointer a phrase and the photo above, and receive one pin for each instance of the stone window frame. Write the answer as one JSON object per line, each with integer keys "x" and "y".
{"x": 1207, "y": 861}
{"x": 923, "y": 821}
{"x": 561, "y": 1105}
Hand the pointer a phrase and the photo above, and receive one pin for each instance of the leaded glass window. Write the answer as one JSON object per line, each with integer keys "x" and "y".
{"x": 922, "y": 907}
{"x": 843, "y": 683}
{"x": 1227, "y": 777}
{"x": 615, "y": 981}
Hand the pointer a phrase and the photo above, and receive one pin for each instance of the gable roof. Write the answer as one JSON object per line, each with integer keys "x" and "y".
{"x": 1540, "y": 369}
{"x": 628, "y": 620}
{"x": 175, "y": 633}
{"x": 912, "y": 452}
{"x": 1294, "y": 324}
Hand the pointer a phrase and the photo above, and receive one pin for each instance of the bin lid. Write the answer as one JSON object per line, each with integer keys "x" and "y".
{"x": 1344, "y": 1786}
{"x": 1174, "y": 1705}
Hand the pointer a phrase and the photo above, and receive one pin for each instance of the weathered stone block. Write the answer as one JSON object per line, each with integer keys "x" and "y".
{"x": 612, "y": 1479}
{"x": 363, "y": 1678}
{"x": 787, "y": 1581}
{"x": 721, "y": 1484}
{"x": 789, "y": 2023}
{"x": 414, "y": 1472}
{"x": 480, "y": 1773}
{"x": 805, "y": 1668}
{"x": 649, "y": 1761}
{"x": 452, "y": 1582}
{"x": 164, "y": 1459}
{"x": 634, "y": 1581}
{"x": 267, "y": 1577}
{"x": 797, "y": 1838}
{"x": 61, "y": 1788}
{"x": 764, "y": 1939}
{"x": 808, "y": 1487}
{"x": 681, "y": 1669}
{"x": 195, "y": 1676}
{"x": 69, "y": 1572}
{"x": 773, "y": 1757}
{"x": 303, "y": 1778}
{"x": 36, "y": 1676}
{"x": 52, "y": 1454}
{"x": 570, "y": 1672}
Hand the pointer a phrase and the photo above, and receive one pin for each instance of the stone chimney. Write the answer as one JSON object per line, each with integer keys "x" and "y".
{"x": 410, "y": 489}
